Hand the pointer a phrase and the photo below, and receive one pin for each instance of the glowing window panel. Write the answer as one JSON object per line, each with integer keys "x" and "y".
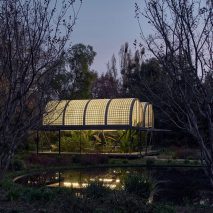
{"x": 141, "y": 108}
{"x": 126, "y": 111}
{"x": 95, "y": 112}
{"x": 136, "y": 120}
{"x": 137, "y": 114}
{"x": 119, "y": 111}
{"x": 149, "y": 118}
{"x": 54, "y": 113}
{"x": 75, "y": 112}
{"x": 143, "y": 115}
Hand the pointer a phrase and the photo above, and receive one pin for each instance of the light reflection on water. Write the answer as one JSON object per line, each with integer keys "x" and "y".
{"x": 176, "y": 185}
{"x": 81, "y": 179}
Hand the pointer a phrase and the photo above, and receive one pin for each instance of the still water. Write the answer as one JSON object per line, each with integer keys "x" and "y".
{"x": 174, "y": 185}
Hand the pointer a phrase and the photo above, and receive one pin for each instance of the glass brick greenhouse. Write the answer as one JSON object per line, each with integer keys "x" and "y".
{"x": 96, "y": 125}
{"x": 99, "y": 114}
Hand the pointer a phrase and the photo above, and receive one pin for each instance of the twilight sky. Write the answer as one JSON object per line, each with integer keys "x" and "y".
{"x": 106, "y": 25}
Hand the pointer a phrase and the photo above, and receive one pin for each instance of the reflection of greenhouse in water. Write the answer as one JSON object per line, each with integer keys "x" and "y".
{"x": 77, "y": 179}
{"x": 113, "y": 125}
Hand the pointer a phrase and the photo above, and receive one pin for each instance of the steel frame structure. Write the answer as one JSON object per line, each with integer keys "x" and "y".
{"x": 59, "y": 123}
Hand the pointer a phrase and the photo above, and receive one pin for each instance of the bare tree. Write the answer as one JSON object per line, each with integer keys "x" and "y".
{"x": 33, "y": 36}
{"x": 182, "y": 42}
{"x": 107, "y": 85}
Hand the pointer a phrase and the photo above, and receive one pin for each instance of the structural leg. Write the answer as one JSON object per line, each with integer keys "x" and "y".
{"x": 146, "y": 141}
{"x": 80, "y": 141}
{"x": 37, "y": 142}
{"x": 130, "y": 137}
{"x": 59, "y": 142}
{"x": 140, "y": 143}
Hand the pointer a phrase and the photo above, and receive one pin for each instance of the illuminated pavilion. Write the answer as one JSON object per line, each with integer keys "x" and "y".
{"x": 98, "y": 114}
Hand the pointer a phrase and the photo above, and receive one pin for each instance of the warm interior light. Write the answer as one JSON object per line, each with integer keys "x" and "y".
{"x": 123, "y": 111}
{"x": 67, "y": 184}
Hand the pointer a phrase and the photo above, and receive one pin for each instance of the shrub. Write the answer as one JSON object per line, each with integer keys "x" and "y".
{"x": 67, "y": 201}
{"x": 69, "y": 145}
{"x": 13, "y": 191}
{"x": 17, "y": 165}
{"x": 169, "y": 161}
{"x": 196, "y": 162}
{"x": 190, "y": 157}
{"x": 76, "y": 159}
{"x": 96, "y": 190}
{"x": 121, "y": 201}
{"x": 125, "y": 161}
{"x": 164, "y": 209}
{"x": 150, "y": 162}
{"x": 38, "y": 194}
{"x": 139, "y": 185}
{"x": 186, "y": 161}
{"x": 13, "y": 194}
{"x": 112, "y": 161}
{"x": 184, "y": 153}
{"x": 174, "y": 156}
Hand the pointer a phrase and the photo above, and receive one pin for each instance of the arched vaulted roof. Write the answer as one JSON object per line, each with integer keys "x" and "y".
{"x": 104, "y": 113}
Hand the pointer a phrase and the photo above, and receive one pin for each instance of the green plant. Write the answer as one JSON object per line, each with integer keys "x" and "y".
{"x": 169, "y": 161}
{"x": 13, "y": 194}
{"x": 125, "y": 161}
{"x": 122, "y": 201}
{"x": 17, "y": 165}
{"x": 195, "y": 162}
{"x": 140, "y": 185}
{"x": 128, "y": 141}
{"x": 112, "y": 161}
{"x": 186, "y": 161}
{"x": 190, "y": 157}
{"x": 150, "y": 162}
{"x": 41, "y": 194}
{"x": 69, "y": 145}
{"x": 96, "y": 190}
{"x": 160, "y": 208}
{"x": 76, "y": 159}
{"x": 174, "y": 156}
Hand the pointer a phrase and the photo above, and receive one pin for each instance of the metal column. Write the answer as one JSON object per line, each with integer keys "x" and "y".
{"x": 59, "y": 142}
{"x": 140, "y": 142}
{"x": 37, "y": 142}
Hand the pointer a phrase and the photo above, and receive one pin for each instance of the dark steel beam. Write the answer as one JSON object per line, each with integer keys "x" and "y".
{"x": 64, "y": 112}
{"x": 131, "y": 110}
{"x": 37, "y": 142}
{"x": 59, "y": 142}
{"x": 106, "y": 112}
{"x": 85, "y": 112}
{"x": 144, "y": 113}
{"x": 96, "y": 127}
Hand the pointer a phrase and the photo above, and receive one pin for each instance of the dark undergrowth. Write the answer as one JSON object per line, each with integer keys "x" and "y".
{"x": 94, "y": 198}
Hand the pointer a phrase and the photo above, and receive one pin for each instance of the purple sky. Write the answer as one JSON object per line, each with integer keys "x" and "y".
{"x": 106, "y": 25}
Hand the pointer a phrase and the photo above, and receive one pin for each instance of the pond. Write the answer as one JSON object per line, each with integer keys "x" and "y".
{"x": 175, "y": 185}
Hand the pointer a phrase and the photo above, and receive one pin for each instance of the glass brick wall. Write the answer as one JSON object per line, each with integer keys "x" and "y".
{"x": 54, "y": 113}
{"x": 126, "y": 111}
{"x": 74, "y": 112}
{"x": 95, "y": 112}
{"x": 119, "y": 111}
